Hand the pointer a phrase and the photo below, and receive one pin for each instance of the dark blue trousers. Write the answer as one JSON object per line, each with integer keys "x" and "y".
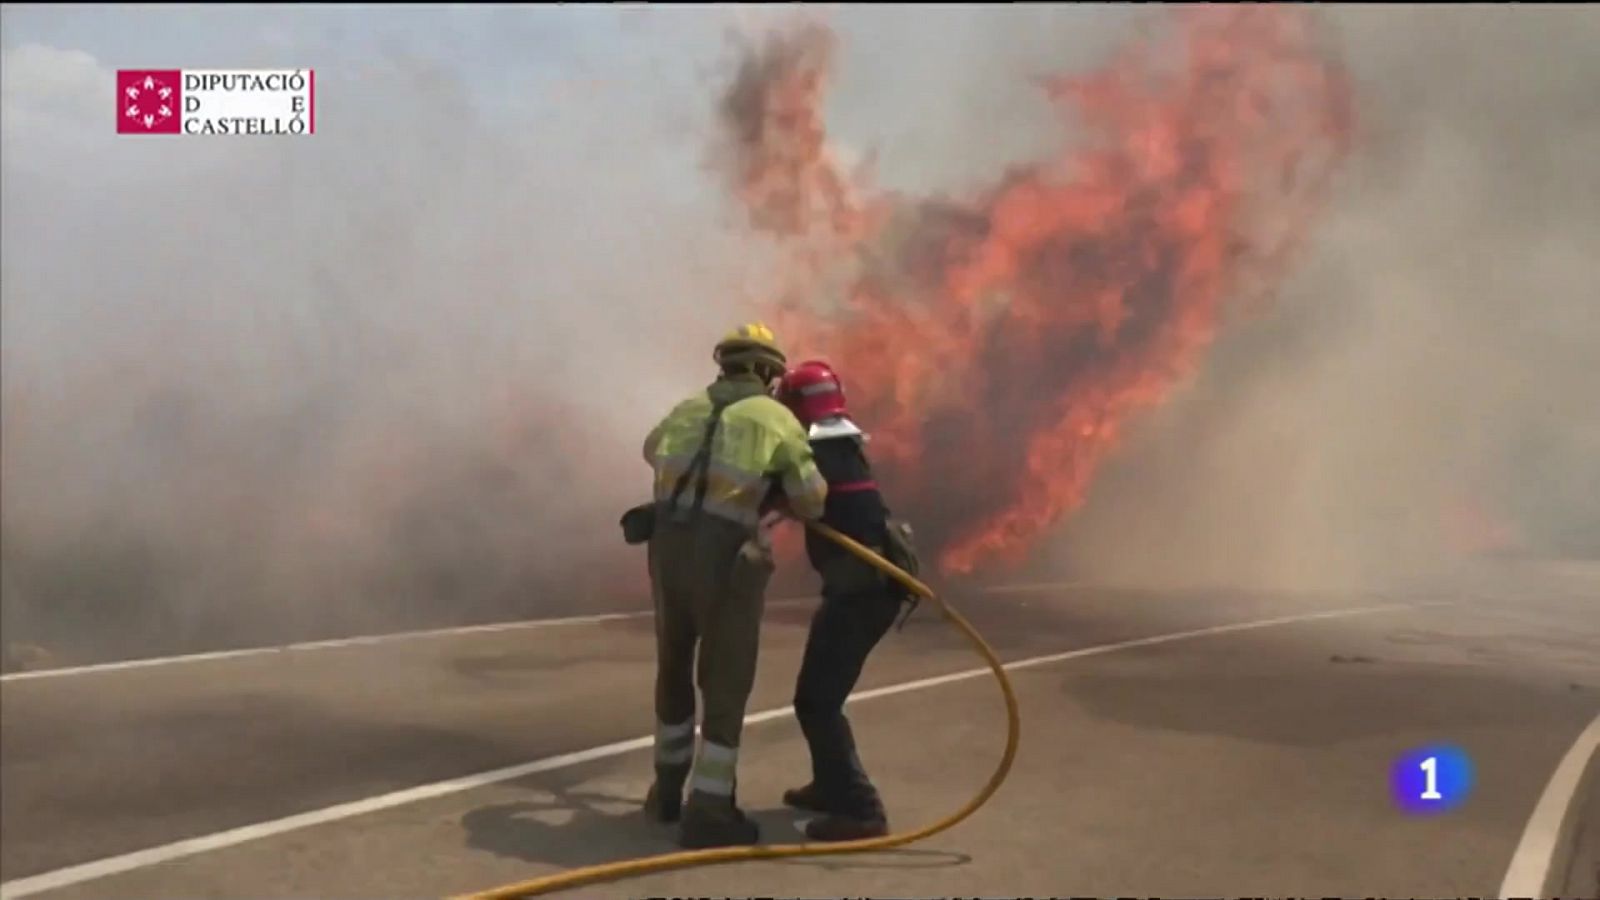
{"x": 844, "y": 630}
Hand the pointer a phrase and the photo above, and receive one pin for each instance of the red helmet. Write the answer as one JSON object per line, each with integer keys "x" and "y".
{"x": 812, "y": 391}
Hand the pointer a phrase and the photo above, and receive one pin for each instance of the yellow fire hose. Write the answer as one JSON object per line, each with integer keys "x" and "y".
{"x": 644, "y": 865}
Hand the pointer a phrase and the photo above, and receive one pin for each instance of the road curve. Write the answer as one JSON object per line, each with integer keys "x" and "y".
{"x": 1238, "y": 761}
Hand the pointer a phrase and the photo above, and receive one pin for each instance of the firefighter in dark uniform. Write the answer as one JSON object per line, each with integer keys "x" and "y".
{"x": 859, "y": 605}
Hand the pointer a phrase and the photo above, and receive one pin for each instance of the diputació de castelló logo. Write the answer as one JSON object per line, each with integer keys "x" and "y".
{"x": 149, "y": 101}
{"x": 251, "y": 102}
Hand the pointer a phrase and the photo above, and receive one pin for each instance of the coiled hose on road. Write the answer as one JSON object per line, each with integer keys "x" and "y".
{"x": 647, "y": 864}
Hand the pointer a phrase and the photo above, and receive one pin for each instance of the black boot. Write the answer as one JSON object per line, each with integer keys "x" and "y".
{"x": 806, "y": 798}
{"x": 664, "y": 803}
{"x": 858, "y": 814}
{"x": 840, "y": 827}
{"x": 713, "y": 821}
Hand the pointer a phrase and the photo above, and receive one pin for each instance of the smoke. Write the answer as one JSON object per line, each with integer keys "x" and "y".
{"x": 1420, "y": 391}
{"x": 1425, "y": 388}
{"x": 1001, "y": 342}
{"x": 396, "y": 375}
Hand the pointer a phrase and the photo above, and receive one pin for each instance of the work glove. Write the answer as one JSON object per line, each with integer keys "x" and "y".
{"x": 758, "y": 549}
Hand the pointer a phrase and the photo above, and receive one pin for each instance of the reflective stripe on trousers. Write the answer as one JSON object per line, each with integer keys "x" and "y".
{"x": 715, "y": 768}
{"x": 674, "y": 743}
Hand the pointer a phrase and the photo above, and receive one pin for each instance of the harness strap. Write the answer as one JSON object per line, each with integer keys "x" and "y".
{"x": 700, "y": 467}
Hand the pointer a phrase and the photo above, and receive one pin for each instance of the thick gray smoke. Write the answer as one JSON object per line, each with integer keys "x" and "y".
{"x": 1426, "y": 387}
{"x": 396, "y": 375}
{"x": 1422, "y": 390}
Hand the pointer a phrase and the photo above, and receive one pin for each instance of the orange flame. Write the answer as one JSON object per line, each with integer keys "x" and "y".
{"x": 997, "y": 348}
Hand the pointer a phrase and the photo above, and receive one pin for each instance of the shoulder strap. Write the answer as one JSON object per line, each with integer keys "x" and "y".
{"x": 700, "y": 467}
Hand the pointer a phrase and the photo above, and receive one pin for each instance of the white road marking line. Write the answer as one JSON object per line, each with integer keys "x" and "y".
{"x": 127, "y": 862}
{"x": 315, "y": 645}
{"x": 362, "y": 640}
{"x": 1535, "y": 853}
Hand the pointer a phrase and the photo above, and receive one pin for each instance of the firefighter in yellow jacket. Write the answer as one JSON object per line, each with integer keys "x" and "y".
{"x": 721, "y": 459}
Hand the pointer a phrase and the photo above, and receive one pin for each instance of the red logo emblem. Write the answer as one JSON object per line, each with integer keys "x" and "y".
{"x": 149, "y": 101}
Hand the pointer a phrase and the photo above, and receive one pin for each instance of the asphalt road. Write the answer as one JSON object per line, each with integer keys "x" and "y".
{"x": 1244, "y": 761}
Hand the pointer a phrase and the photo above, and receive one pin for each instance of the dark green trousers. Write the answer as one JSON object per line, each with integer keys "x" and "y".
{"x": 709, "y": 580}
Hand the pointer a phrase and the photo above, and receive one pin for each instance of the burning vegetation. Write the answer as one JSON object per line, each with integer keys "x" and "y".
{"x": 998, "y": 346}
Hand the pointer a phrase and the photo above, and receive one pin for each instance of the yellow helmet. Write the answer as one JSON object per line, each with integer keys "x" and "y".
{"x": 754, "y": 345}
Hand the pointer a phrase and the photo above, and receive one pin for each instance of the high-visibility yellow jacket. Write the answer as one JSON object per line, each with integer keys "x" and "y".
{"x": 758, "y": 444}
